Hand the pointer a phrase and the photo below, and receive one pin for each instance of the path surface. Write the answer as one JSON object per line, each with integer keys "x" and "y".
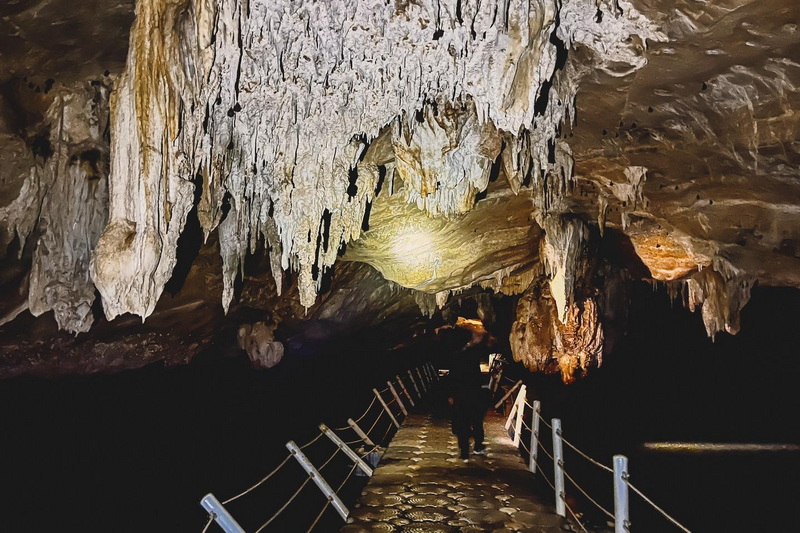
{"x": 422, "y": 486}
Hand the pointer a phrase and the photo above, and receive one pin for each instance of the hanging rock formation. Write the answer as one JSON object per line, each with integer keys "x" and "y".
{"x": 247, "y": 157}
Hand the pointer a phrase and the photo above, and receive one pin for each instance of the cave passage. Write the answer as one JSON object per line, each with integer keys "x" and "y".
{"x": 136, "y": 451}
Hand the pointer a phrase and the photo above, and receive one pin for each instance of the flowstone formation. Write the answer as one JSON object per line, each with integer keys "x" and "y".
{"x": 227, "y": 168}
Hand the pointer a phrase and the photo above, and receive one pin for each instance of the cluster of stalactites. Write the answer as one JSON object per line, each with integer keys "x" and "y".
{"x": 720, "y": 291}
{"x": 63, "y": 202}
{"x": 268, "y": 106}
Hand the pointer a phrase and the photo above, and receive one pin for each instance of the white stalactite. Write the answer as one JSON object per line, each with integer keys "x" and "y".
{"x": 271, "y": 102}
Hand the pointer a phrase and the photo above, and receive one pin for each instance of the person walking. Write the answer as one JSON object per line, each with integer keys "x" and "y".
{"x": 467, "y": 395}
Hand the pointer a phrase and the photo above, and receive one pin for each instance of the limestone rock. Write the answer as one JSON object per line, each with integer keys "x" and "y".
{"x": 260, "y": 344}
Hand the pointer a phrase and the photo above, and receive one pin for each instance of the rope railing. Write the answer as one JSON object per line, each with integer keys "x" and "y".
{"x": 284, "y": 506}
{"x": 421, "y": 381}
{"x": 653, "y": 505}
{"x": 259, "y": 483}
{"x": 585, "y": 456}
{"x": 360, "y": 418}
{"x": 516, "y": 424}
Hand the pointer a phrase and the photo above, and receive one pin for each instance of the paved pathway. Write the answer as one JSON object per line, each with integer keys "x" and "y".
{"x": 422, "y": 486}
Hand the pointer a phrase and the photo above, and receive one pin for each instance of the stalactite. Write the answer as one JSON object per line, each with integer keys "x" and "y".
{"x": 68, "y": 193}
{"x": 271, "y": 103}
{"x": 721, "y": 292}
{"x": 544, "y": 342}
{"x": 562, "y": 250}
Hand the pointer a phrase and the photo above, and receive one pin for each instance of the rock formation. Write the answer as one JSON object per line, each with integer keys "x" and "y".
{"x": 242, "y": 157}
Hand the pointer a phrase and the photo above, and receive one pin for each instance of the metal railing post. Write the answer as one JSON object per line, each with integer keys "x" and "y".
{"x": 386, "y": 407}
{"x": 422, "y": 380}
{"x": 220, "y": 514}
{"x": 346, "y": 449}
{"x": 397, "y": 398}
{"x": 497, "y": 380}
{"x": 363, "y": 436}
{"x": 414, "y": 383}
{"x": 558, "y": 467}
{"x": 514, "y": 408}
{"x": 520, "y": 412}
{"x": 318, "y": 479}
{"x": 405, "y": 391}
{"x": 507, "y": 394}
{"x": 537, "y": 405}
{"x": 621, "y": 509}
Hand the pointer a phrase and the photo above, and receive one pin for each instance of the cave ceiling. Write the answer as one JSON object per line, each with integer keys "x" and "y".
{"x": 173, "y": 169}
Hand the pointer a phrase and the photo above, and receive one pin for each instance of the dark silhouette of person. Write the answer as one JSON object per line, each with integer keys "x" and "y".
{"x": 467, "y": 395}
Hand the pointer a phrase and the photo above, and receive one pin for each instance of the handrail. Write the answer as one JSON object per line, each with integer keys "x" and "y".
{"x": 426, "y": 378}
{"x": 621, "y": 476}
{"x": 623, "y": 525}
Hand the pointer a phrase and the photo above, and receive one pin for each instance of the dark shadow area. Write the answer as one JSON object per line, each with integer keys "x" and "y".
{"x": 667, "y": 382}
{"x": 136, "y": 451}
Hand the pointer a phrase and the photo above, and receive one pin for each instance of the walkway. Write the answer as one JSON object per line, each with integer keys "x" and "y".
{"x": 422, "y": 486}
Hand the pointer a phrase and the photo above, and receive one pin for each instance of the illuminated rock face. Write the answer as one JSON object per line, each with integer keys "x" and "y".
{"x": 485, "y": 145}
{"x": 546, "y": 341}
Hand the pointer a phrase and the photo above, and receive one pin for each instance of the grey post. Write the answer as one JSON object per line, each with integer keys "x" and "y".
{"x": 537, "y": 406}
{"x": 386, "y": 407}
{"x": 621, "y": 509}
{"x": 397, "y": 398}
{"x": 414, "y": 383}
{"x": 422, "y": 380}
{"x": 346, "y": 449}
{"x": 558, "y": 467}
{"x": 405, "y": 390}
{"x": 220, "y": 514}
{"x": 318, "y": 479}
{"x": 363, "y": 436}
{"x": 520, "y": 414}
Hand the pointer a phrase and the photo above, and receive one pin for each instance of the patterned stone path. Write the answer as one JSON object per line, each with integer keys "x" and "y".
{"x": 422, "y": 486}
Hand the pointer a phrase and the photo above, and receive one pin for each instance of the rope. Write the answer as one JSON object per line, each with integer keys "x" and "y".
{"x": 284, "y": 506}
{"x": 543, "y": 421}
{"x": 525, "y": 424}
{"x": 539, "y": 469}
{"x": 380, "y": 414}
{"x": 328, "y": 502}
{"x": 389, "y": 429}
{"x": 314, "y": 523}
{"x": 524, "y": 447}
{"x": 337, "y": 450}
{"x": 351, "y": 442}
{"x": 265, "y": 478}
{"x": 656, "y": 507}
{"x": 574, "y": 516}
{"x": 312, "y": 441}
{"x": 211, "y": 518}
{"x": 541, "y": 447}
{"x": 593, "y": 461}
{"x": 370, "y": 451}
{"x": 360, "y": 418}
{"x": 607, "y": 513}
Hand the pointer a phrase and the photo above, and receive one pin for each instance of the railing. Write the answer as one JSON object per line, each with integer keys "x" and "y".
{"x": 405, "y": 390}
{"x": 619, "y": 471}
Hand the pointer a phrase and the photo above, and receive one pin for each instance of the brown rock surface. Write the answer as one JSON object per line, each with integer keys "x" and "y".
{"x": 565, "y": 145}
